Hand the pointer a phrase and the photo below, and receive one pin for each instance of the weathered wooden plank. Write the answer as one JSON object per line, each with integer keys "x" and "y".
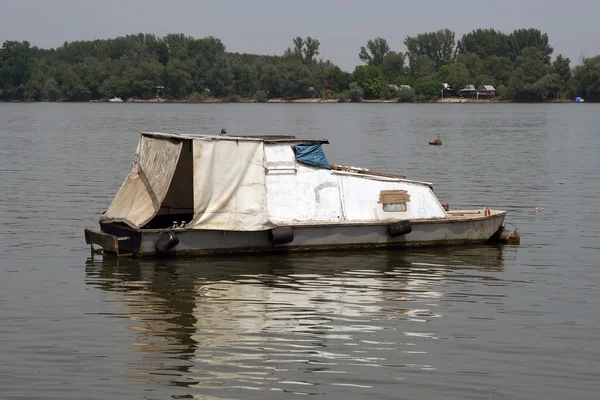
{"x": 393, "y": 196}
{"x": 104, "y": 240}
{"x": 363, "y": 171}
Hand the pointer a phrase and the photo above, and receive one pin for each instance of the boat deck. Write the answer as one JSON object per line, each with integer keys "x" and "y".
{"x": 473, "y": 214}
{"x": 453, "y": 216}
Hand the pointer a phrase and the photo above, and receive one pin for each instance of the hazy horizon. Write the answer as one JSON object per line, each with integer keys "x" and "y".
{"x": 268, "y": 26}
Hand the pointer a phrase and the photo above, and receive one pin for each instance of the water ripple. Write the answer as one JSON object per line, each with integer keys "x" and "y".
{"x": 465, "y": 323}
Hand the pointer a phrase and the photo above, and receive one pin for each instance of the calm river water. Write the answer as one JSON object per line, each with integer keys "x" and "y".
{"x": 464, "y": 323}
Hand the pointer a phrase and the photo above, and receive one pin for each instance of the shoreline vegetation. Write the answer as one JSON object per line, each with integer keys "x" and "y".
{"x": 307, "y": 100}
{"x": 310, "y": 100}
{"x": 483, "y": 66}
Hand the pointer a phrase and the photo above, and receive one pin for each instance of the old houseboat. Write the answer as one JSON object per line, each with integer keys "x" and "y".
{"x": 204, "y": 194}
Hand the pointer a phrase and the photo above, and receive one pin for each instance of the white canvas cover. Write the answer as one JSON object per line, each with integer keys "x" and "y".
{"x": 229, "y": 186}
{"x": 140, "y": 197}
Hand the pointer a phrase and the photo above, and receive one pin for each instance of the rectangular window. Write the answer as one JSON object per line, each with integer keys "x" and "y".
{"x": 394, "y": 207}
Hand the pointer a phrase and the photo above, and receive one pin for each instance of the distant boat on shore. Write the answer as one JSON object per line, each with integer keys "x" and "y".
{"x": 115, "y": 100}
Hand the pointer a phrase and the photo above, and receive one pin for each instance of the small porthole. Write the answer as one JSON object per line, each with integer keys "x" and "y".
{"x": 394, "y": 207}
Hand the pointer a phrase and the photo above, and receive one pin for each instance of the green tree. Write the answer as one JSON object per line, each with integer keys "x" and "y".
{"x": 526, "y": 82}
{"x": 472, "y": 62}
{"x": 338, "y": 79}
{"x": 108, "y": 88}
{"x": 521, "y": 39}
{"x": 355, "y": 92}
{"x": 458, "y": 76}
{"x": 261, "y": 96}
{"x": 296, "y": 50}
{"x": 370, "y": 79}
{"x": 50, "y": 90}
{"x": 501, "y": 68}
{"x": 421, "y": 66}
{"x": 73, "y": 88}
{"x": 374, "y": 52}
{"x": 34, "y": 87}
{"x": 562, "y": 67}
{"x": 443, "y": 73}
{"x": 392, "y": 65}
{"x": 268, "y": 79}
{"x": 145, "y": 77}
{"x": 548, "y": 86}
{"x": 485, "y": 43}
{"x": 246, "y": 84}
{"x": 311, "y": 49}
{"x": 378, "y": 88}
{"x": 388, "y": 91}
{"x": 295, "y": 79}
{"x": 406, "y": 94}
{"x": 438, "y": 46}
{"x": 123, "y": 87}
{"x": 178, "y": 81}
{"x": 503, "y": 92}
{"x": 429, "y": 89}
{"x": 87, "y": 76}
{"x": 220, "y": 77}
{"x": 16, "y": 65}
{"x": 587, "y": 79}
{"x": 304, "y": 49}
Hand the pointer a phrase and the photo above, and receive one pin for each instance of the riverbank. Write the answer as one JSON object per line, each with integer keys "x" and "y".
{"x": 237, "y": 100}
{"x": 307, "y": 100}
{"x": 213, "y": 100}
{"x": 329, "y": 101}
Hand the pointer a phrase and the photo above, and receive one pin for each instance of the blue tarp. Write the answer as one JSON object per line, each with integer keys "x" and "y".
{"x": 311, "y": 154}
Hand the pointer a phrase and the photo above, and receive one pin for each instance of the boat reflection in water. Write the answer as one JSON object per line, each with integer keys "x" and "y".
{"x": 292, "y": 323}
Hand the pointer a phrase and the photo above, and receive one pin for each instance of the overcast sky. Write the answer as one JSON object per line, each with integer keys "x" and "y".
{"x": 268, "y": 26}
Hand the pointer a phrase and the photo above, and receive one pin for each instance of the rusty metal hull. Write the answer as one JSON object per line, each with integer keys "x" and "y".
{"x": 449, "y": 232}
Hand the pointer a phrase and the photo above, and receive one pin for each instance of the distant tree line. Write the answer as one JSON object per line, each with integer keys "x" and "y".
{"x": 518, "y": 64}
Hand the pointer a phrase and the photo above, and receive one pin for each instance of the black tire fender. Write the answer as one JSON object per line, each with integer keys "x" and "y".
{"x": 399, "y": 228}
{"x": 166, "y": 241}
{"x": 281, "y": 235}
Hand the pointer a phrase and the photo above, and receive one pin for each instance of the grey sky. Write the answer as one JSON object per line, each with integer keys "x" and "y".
{"x": 268, "y": 26}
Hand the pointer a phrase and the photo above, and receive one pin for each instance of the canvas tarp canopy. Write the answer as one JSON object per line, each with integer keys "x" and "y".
{"x": 141, "y": 195}
{"x": 229, "y": 188}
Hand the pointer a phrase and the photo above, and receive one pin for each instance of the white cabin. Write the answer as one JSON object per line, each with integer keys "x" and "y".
{"x": 257, "y": 183}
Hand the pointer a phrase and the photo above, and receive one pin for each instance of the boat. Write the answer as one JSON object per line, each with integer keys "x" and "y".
{"x": 115, "y": 100}
{"x": 193, "y": 194}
